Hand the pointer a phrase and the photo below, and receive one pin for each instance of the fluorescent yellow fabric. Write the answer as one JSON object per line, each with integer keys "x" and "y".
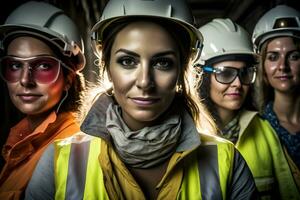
{"x": 105, "y": 172}
{"x": 261, "y": 148}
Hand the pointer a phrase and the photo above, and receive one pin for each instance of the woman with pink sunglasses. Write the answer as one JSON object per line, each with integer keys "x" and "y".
{"x": 43, "y": 56}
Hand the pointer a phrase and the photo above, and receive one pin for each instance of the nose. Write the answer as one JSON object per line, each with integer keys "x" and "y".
{"x": 26, "y": 78}
{"x": 236, "y": 82}
{"x": 145, "y": 77}
{"x": 283, "y": 64}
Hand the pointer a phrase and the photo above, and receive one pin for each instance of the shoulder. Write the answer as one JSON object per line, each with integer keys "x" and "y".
{"x": 78, "y": 144}
{"x": 217, "y": 147}
{"x": 77, "y": 138}
{"x": 213, "y": 140}
{"x": 258, "y": 123}
{"x": 60, "y": 125}
{"x": 247, "y": 117}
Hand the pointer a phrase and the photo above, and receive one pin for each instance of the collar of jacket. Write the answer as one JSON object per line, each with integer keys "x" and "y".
{"x": 245, "y": 119}
{"x": 95, "y": 124}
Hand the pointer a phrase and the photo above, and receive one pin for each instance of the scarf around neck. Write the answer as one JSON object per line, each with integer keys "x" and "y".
{"x": 232, "y": 129}
{"x": 143, "y": 148}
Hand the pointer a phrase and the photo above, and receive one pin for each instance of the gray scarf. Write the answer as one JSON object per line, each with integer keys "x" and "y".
{"x": 146, "y": 147}
{"x": 232, "y": 130}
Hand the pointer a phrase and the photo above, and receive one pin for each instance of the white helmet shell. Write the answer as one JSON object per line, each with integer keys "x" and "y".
{"x": 279, "y": 21}
{"x": 174, "y": 10}
{"x": 48, "y": 22}
{"x": 224, "y": 37}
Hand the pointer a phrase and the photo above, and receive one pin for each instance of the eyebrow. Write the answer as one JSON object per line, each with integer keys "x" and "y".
{"x": 168, "y": 52}
{"x": 277, "y": 52}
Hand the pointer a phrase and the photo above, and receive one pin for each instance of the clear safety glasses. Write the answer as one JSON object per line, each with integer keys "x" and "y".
{"x": 42, "y": 69}
{"x": 227, "y": 75}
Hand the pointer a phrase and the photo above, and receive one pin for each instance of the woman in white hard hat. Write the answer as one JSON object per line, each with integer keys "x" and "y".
{"x": 142, "y": 136}
{"x": 276, "y": 38}
{"x": 229, "y": 71}
{"x": 43, "y": 55}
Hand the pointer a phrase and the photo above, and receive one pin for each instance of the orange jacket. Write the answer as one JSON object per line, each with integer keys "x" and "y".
{"x": 22, "y": 151}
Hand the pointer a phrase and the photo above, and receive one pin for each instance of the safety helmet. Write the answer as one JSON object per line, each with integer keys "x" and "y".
{"x": 224, "y": 38}
{"x": 279, "y": 21}
{"x": 46, "y": 22}
{"x": 177, "y": 11}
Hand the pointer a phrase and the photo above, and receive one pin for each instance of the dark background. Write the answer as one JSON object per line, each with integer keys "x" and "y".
{"x": 86, "y": 12}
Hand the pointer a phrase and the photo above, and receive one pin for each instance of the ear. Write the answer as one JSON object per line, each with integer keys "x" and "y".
{"x": 69, "y": 81}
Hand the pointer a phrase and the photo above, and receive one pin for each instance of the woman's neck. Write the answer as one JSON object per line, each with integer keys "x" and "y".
{"x": 225, "y": 116}
{"x": 287, "y": 109}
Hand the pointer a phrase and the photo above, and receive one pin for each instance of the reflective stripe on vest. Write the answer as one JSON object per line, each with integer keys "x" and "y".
{"x": 213, "y": 177}
{"x": 76, "y": 164}
{"x": 203, "y": 178}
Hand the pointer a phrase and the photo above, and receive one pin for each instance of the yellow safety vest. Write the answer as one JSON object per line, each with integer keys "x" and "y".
{"x": 80, "y": 174}
{"x": 261, "y": 148}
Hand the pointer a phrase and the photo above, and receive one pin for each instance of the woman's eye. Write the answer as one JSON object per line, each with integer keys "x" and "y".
{"x": 43, "y": 66}
{"x": 272, "y": 57}
{"x": 294, "y": 56}
{"x": 163, "y": 63}
{"x": 127, "y": 62}
{"x": 226, "y": 73}
{"x": 14, "y": 66}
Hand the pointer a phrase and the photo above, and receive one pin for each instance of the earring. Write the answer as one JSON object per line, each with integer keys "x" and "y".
{"x": 179, "y": 89}
{"x": 110, "y": 92}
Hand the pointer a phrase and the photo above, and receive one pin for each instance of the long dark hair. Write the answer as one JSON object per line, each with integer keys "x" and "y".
{"x": 204, "y": 92}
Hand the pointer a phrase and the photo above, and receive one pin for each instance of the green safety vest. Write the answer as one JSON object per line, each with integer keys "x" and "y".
{"x": 81, "y": 177}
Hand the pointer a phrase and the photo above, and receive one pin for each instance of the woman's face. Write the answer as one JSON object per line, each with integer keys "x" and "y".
{"x": 144, "y": 69}
{"x": 282, "y": 65}
{"x": 29, "y": 96}
{"x": 228, "y": 97}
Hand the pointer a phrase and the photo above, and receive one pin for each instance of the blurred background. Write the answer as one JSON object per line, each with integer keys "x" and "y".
{"x": 86, "y": 12}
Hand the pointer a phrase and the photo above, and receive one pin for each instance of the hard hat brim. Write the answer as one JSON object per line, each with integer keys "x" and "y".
{"x": 99, "y": 28}
{"x": 10, "y": 31}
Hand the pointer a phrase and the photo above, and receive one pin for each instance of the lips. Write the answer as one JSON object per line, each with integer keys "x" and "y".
{"x": 234, "y": 95}
{"x": 142, "y": 101}
{"x": 28, "y": 98}
{"x": 283, "y": 77}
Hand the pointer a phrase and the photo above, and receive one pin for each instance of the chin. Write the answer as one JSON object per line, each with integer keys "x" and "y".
{"x": 30, "y": 111}
{"x": 235, "y": 107}
{"x": 146, "y": 116}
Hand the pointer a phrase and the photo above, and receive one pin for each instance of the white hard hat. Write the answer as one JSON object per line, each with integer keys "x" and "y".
{"x": 223, "y": 37}
{"x": 279, "y": 21}
{"x": 47, "y": 22}
{"x": 176, "y": 11}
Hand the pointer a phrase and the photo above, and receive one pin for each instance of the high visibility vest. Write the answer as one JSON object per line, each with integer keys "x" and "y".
{"x": 80, "y": 175}
{"x": 261, "y": 148}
